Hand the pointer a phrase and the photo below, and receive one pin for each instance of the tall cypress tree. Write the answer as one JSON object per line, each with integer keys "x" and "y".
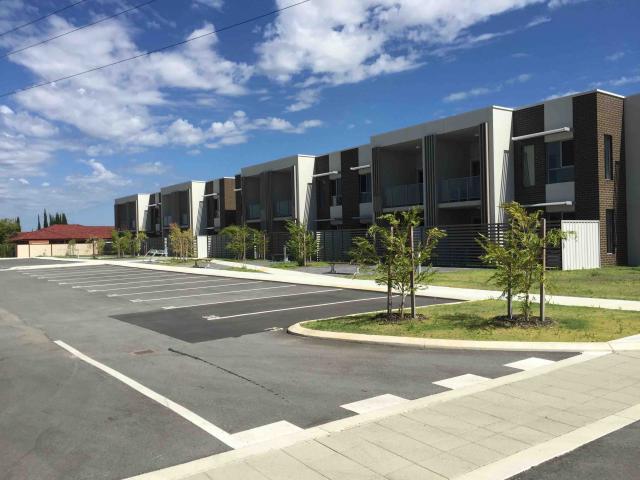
{"x": 39, "y": 226}
{"x": 51, "y": 220}
{"x": 45, "y": 219}
{"x": 18, "y": 223}
{"x": 64, "y": 219}
{"x": 57, "y": 217}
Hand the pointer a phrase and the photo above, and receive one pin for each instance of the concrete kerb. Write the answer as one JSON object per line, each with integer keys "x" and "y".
{"x": 195, "y": 467}
{"x": 619, "y": 345}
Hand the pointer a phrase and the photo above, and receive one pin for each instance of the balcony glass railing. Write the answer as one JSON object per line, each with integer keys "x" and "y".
{"x": 254, "y": 211}
{"x": 460, "y": 189}
{"x": 403, "y": 195}
{"x": 365, "y": 197}
{"x": 562, "y": 174}
{"x": 282, "y": 208}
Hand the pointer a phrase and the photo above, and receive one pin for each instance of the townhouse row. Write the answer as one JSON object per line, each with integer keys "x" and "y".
{"x": 576, "y": 157}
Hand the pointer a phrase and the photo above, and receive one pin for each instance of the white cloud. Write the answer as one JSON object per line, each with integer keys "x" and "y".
{"x": 99, "y": 175}
{"x": 562, "y": 94}
{"x": 149, "y": 168}
{"x": 538, "y": 21}
{"x": 23, "y": 123}
{"x": 304, "y": 99}
{"x": 117, "y": 105}
{"x": 45, "y": 184}
{"x": 563, "y": 3}
{"x": 465, "y": 94}
{"x": 614, "y": 57}
{"x": 23, "y": 181}
{"x": 217, "y": 4}
{"x": 479, "y": 91}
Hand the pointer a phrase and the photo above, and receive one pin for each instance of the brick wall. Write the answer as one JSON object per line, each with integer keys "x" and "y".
{"x": 526, "y": 121}
{"x": 594, "y": 116}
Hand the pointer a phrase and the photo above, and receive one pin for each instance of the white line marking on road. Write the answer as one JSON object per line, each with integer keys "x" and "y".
{"x": 158, "y": 291}
{"x": 107, "y": 278}
{"x": 78, "y": 273}
{"x": 173, "y": 307}
{"x": 265, "y": 432}
{"x": 461, "y": 381}
{"x": 374, "y": 403}
{"x": 530, "y": 363}
{"x": 154, "y": 286}
{"x": 139, "y": 300}
{"x": 301, "y": 307}
{"x": 55, "y": 278}
{"x": 125, "y": 283}
{"x": 192, "y": 417}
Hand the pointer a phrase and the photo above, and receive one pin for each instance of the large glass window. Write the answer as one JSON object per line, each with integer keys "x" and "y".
{"x": 560, "y": 162}
{"x": 528, "y": 166}
{"x": 365, "y": 188}
{"x": 336, "y": 192}
{"x": 608, "y": 157}
{"x": 611, "y": 231}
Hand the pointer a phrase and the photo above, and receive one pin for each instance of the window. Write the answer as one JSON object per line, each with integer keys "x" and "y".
{"x": 608, "y": 157}
{"x": 560, "y": 162}
{"x": 365, "y": 188}
{"x": 611, "y": 231}
{"x": 336, "y": 192}
{"x": 528, "y": 166}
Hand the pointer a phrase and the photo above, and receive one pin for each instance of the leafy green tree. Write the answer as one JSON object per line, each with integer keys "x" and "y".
{"x": 302, "y": 243}
{"x": 260, "y": 243}
{"x": 362, "y": 253}
{"x": 240, "y": 238}
{"x": 137, "y": 242}
{"x": 126, "y": 243}
{"x": 71, "y": 248}
{"x": 97, "y": 246}
{"x": 518, "y": 259}
{"x": 8, "y": 228}
{"x": 181, "y": 241}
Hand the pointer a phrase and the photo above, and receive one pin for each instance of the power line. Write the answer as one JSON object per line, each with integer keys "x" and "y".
{"x": 42, "y": 18}
{"x": 140, "y": 55}
{"x": 135, "y": 7}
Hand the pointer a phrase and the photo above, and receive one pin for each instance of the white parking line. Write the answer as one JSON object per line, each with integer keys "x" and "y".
{"x": 139, "y": 300}
{"x": 214, "y": 317}
{"x": 170, "y": 277}
{"x": 461, "y": 381}
{"x": 192, "y": 417}
{"x": 103, "y": 278}
{"x": 172, "y": 307}
{"x": 74, "y": 274}
{"x": 154, "y": 286}
{"x": 208, "y": 285}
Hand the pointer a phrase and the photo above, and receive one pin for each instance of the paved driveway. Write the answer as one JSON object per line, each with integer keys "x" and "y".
{"x": 157, "y": 368}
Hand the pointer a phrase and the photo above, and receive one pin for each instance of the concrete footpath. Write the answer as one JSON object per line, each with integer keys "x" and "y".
{"x": 489, "y": 430}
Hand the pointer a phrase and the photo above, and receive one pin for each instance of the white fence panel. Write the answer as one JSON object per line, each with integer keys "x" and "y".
{"x": 582, "y": 249}
{"x": 202, "y": 246}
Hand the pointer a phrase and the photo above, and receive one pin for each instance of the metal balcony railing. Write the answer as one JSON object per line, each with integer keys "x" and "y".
{"x": 365, "y": 197}
{"x": 282, "y": 208}
{"x": 254, "y": 211}
{"x": 403, "y": 195}
{"x": 562, "y": 174}
{"x": 460, "y": 189}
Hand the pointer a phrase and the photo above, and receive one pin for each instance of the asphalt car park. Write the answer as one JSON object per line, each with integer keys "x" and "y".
{"x": 127, "y": 370}
{"x": 9, "y": 263}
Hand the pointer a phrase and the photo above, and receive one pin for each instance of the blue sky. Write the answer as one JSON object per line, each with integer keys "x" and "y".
{"x": 319, "y": 77}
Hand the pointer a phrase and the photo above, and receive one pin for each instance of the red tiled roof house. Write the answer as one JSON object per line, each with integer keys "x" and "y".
{"x": 54, "y": 241}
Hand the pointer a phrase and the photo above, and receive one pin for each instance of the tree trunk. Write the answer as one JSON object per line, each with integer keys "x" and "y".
{"x": 509, "y": 304}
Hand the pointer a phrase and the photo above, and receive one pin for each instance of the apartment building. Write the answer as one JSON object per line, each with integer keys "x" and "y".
{"x": 342, "y": 189}
{"x": 575, "y": 157}
{"x": 219, "y": 204}
{"x": 276, "y": 191}
{"x": 130, "y": 213}
{"x": 570, "y": 161}
{"x": 183, "y": 204}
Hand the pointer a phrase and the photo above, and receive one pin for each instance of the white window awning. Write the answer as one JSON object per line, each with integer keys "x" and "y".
{"x": 541, "y": 134}
{"x": 359, "y": 167}
{"x": 325, "y": 174}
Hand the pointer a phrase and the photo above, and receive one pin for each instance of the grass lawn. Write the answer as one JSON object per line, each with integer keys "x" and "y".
{"x": 294, "y": 265}
{"x": 607, "y": 282}
{"x": 473, "y": 321}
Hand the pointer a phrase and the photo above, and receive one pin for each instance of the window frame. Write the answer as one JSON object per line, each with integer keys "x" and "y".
{"x": 609, "y": 168}
{"x": 528, "y": 173}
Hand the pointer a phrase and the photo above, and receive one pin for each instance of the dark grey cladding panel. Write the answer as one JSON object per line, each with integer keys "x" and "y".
{"x": 430, "y": 181}
{"x": 350, "y": 188}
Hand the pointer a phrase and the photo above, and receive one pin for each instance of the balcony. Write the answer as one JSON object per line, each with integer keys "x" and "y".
{"x": 254, "y": 211}
{"x": 561, "y": 175}
{"x": 282, "y": 208}
{"x": 462, "y": 189}
{"x": 403, "y": 195}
